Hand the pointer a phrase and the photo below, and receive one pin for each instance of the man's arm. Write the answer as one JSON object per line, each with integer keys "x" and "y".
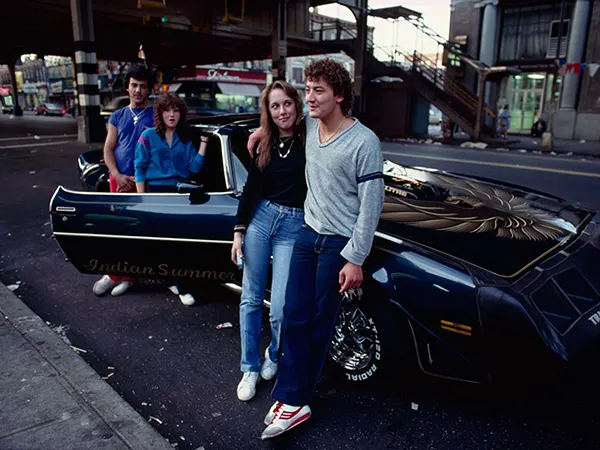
{"x": 141, "y": 162}
{"x": 371, "y": 196}
{"x": 123, "y": 182}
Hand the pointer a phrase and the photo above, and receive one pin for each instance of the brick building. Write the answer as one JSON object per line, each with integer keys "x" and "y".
{"x": 556, "y": 46}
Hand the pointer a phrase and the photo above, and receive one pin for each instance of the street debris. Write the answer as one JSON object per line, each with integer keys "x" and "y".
{"x": 13, "y": 287}
{"x": 414, "y": 406}
{"x": 479, "y": 145}
{"x": 108, "y": 376}
{"x": 522, "y": 150}
{"x": 36, "y": 137}
{"x": 216, "y": 414}
{"x": 77, "y": 349}
{"x": 32, "y": 172}
{"x": 182, "y": 438}
{"x": 582, "y": 141}
{"x": 151, "y": 418}
{"x": 224, "y": 325}
{"x": 161, "y": 349}
{"x": 33, "y": 151}
{"x": 146, "y": 404}
{"x": 111, "y": 368}
{"x": 35, "y": 186}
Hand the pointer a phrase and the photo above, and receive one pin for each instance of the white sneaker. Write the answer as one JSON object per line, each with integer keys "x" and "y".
{"x": 286, "y": 417}
{"x": 272, "y": 412}
{"x": 187, "y": 299}
{"x": 247, "y": 387}
{"x": 103, "y": 285}
{"x": 174, "y": 289}
{"x": 121, "y": 288}
{"x": 269, "y": 368}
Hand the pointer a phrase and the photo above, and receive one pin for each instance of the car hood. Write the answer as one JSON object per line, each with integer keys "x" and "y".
{"x": 498, "y": 227}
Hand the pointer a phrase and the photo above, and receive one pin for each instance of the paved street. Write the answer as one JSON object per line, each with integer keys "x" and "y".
{"x": 169, "y": 362}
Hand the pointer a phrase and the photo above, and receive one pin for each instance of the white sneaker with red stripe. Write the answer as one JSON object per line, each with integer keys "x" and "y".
{"x": 286, "y": 417}
{"x": 272, "y": 411}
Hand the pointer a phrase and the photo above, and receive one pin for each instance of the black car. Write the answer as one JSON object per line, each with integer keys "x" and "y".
{"x": 475, "y": 279}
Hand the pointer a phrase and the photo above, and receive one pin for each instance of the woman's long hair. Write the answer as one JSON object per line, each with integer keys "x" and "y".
{"x": 165, "y": 102}
{"x": 267, "y": 142}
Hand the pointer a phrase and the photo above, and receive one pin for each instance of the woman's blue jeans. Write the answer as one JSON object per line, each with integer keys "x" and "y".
{"x": 272, "y": 232}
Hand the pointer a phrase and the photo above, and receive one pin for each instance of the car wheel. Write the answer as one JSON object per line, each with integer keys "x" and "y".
{"x": 365, "y": 345}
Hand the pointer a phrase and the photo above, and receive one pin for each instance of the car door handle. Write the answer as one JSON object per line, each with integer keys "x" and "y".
{"x": 66, "y": 209}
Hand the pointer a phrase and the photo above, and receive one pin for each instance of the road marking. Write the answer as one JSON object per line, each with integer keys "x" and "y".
{"x": 495, "y": 164}
{"x": 56, "y": 136}
{"x": 41, "y": 144}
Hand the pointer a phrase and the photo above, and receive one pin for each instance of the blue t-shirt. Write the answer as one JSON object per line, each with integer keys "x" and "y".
{"x": 128, "y": 134}
{"x": 157, "y": 163}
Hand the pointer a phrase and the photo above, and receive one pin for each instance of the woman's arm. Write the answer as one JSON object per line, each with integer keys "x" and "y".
{"x": 197, "y": 159}
{"x": 249, "y": 198}
{"x": 142, "y": 161}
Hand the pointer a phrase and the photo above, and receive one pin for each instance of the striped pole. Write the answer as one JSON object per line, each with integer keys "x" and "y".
{"x": 90, "y": 124}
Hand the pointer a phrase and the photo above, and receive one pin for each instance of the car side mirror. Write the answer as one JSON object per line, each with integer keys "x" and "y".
{"x": 189, "y": 188}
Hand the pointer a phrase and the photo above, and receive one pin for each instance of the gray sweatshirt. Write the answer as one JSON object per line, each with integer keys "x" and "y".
{"x": 345, "y": 186}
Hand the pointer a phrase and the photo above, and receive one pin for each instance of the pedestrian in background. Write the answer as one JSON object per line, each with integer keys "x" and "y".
{"x": 270, "y": 214}
{"x": 504, "y": 121}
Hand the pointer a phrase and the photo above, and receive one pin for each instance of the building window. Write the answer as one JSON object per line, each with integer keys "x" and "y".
{"x": 298, "y": 75}
{"x": 526, "y": 31}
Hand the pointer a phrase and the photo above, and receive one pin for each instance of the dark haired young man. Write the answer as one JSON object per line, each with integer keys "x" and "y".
{"x": 124, "y": 129}
{"x": 344, "y": 175}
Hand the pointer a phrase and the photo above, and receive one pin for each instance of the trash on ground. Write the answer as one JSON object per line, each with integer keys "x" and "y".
{"x": 582, "y": 141}
{"x": 522, "y": 150}
{"x": 111, "y": 368}
{"x": 570, "y": 154}
{"x": 224, "y": 325}
{"x": 77, "y": 349}
{"x": 36, "y": 137}
{"x": 35, "y": 186}
{"x": 13, "y": 287}
{"x": 146, "y": 404}
{"x": 151, "y": 418}
{"x": 479, "y": 145}
{"x": 33, "y": 151}
{"x": 161, "y": 349}
{"x": 108, "y": 376}
{"x": 182, "y": 438}
{"x": 216, "y": 414}
{"x": 535, "y": 142}
{"x": 32, "y": 172}
{"x": 414, "y": 406}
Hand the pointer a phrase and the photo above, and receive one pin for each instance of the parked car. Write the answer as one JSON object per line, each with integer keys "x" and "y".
{"x": 473, "y": 279}
{"x": 50, "y": 109}
{"x": 196, "y": 107}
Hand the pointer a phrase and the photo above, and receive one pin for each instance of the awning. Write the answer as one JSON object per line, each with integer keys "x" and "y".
{"x": 249, "y": 90}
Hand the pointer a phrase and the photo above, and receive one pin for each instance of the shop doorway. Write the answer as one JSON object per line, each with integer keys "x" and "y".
{"x": 525, "y": 98}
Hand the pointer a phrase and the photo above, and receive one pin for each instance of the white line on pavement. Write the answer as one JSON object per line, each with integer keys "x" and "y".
{"x": 495, "y": 164}
{"x": 57, "y": 136}
{"x": 41, "y": 144}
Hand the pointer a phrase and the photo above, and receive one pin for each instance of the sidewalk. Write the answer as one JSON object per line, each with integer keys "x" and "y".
{"x": 51, "y": 398}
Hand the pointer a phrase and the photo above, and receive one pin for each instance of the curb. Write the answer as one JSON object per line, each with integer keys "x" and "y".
{"x": 98, "y": 395}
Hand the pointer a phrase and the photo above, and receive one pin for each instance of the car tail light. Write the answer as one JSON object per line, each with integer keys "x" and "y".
{"x": 64, "y": 111}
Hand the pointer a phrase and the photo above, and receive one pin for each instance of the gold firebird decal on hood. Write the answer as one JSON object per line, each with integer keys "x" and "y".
{"x": 464, "y": 206}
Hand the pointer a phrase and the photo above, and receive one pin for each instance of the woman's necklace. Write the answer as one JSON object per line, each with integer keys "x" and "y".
{"x": 325, "y": 141}
{"x": 136, "y": 117}
{"x": 281, "y": 144}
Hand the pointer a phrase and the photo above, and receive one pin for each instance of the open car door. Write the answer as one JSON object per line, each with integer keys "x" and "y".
{"x": 183, "y": 235}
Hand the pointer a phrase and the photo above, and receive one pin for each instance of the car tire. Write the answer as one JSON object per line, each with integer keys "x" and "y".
{"x": 367, "y": 344}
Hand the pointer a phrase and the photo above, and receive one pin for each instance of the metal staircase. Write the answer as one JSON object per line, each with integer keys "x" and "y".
{"x": 422, "y": 74}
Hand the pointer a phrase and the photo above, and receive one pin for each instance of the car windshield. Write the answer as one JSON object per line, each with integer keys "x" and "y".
{"x": 54, "y": 106}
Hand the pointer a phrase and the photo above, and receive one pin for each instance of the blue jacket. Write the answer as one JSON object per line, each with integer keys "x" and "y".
{"x": 159, "y": 164}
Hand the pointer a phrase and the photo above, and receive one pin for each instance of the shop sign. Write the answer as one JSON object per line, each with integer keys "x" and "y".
{"x": 214, "y": 74}
{"x": 221, "y": 75}
{"x": 29, "y": 88}
{"x": 57, "y": 87}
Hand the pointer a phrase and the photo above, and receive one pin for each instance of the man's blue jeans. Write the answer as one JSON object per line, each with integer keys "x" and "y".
{"x": 310, "y": 312}
{"x": 272, "y": 231}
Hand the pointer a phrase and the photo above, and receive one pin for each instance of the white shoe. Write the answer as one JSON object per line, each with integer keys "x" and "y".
{"x": 272, "y": 412}
{"x": 121, "y": 288}
{"x": 269, "y": 368}
{"x": 247, "y": 387}
{"x": 174, "y": 289}
{"x": 103, "y": 285}
{"x": 187, "y": 299}
{"x": 286, "y": 418}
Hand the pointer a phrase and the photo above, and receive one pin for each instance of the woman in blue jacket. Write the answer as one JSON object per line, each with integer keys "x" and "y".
{"x": 165, "y": 155}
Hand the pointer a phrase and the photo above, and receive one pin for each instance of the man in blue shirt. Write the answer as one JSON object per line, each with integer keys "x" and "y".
{"x": 125, "y": 127}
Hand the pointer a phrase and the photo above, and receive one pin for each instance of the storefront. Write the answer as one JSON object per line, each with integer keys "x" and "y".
{"x": 222, "y": 88}
{"x": 527, "y": 96}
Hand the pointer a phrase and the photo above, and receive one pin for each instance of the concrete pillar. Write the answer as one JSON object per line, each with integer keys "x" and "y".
{"x": 577, "y": 39}
{"x": 89, "y": 123}
{"x": 488, "y": 44}
{"x": 18, "y": 111}
{"x": 279, "y": 41}
{"x": 361, "y": 14}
